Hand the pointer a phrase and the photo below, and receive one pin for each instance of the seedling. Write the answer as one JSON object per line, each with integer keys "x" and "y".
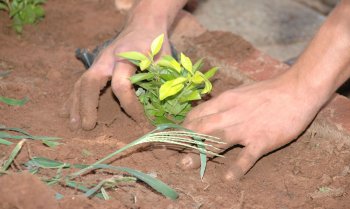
{"x": 23, "y": 12}
{"x": 166, "y": 87}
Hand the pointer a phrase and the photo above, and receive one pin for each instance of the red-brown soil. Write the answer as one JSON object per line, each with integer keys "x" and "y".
{"x": 312, "y": 172}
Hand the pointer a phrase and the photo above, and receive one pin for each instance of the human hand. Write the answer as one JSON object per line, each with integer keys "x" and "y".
{"x": 262, "y": 117}
{"x": 81, "y": 106}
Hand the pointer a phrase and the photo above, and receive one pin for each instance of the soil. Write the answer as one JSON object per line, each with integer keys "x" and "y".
{"x": 313, "y": 172}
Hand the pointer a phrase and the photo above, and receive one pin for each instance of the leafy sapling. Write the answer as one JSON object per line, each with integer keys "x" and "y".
{"x": 166, "y": 87}
{"x": 23, "y": 12}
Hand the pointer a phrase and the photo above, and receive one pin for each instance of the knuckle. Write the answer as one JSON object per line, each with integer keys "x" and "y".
{"x": 121, "y": 86}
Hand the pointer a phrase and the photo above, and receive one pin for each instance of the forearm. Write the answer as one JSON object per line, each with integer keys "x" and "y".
{"x": 155, "y": 13}
{"x": 324, "y": 65}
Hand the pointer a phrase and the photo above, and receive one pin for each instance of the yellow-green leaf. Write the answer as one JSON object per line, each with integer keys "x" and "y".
{"x": 140, "y": 77}
{"x": 170, "y": 62}
{"x": 171, "y": 87}
{"x": 194, "y": 95}
{"x": 132, "y": 56}
{"x": 197, "y": 65}
{"x": 207, "y": 88}
{"x": 144, "y": 64}
{"x": 157, "y": 44}
{"x": 186, "y": 63}
{"x": 210, "y": 73}
{"x": 197, "y": 78}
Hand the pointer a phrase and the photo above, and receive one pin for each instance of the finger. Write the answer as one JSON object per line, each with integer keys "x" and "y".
{"x": 229, "y": 136}
{"x": 74, "y": 115}
{"x": 64, "y": 112}
{"x": 219, "y": 123}
{"x": 245, "y": 160}
{"x": 125, "y": 92}
{"x": 91, "y": 84}
{"x": 215, "y": 105}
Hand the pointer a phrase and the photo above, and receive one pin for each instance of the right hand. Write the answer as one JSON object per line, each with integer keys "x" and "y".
{"x": 81, "y": 106}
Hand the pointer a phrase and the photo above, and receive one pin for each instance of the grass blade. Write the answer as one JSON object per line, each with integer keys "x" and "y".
{"x": 156, "y": 184}
{"x": 58, "y": 196}
{"x": 14, "y": 102}
{"x": 42, "y": 162}
{"x": 51, "y": 143}
{"x": 5, "y": 73}
{"x": 167, "y": 135}
{"x": 110, "y": 182}
{"x": 13, "y": 155}
{"x": 47, "y": 140}
{"x": 105, "y": 194}
{"x": 5, "y": 142}
{"x": 81, "y": 187}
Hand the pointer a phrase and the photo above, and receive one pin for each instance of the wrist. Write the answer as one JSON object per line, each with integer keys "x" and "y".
{"x": 311, "y": 89}
{"x": 154, "y": 14}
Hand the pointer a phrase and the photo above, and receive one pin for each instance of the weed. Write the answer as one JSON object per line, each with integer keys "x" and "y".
{"x": 167, "y": 87}
{"x": 166, "y": 133}
{"x": 5, "y": 134}
{"x": 23, "y": 12}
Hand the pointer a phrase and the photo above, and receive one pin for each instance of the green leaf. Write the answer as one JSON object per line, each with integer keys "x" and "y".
{"x": 109, "y": 182}
{"x": 3, "y": 6}
{"x": 36, "y": 2}
{"x": 162, "y": 120}
{"x": 167, "y": 74}
{"x": 144, "y": 64}
{"x": 132, "y": 56}
{"x": 27, "y": 15}
{"x": 140, "y": 77}
{"x": 194, "y": 95}
{"x": 157, "y": 44}
{"x": 47, "y": 163}
{"x": 186, "y": 63}
{"x": 198, "y": 77}
{"x": 58, "y": 196}
{"x": 169, "y": 62}
{"x": 39, "y": 11}
{"x": 171, "y": 87}
{"x": 80, "y": 187}
{"x": 177, "y": 108}
{"x": 207, "y": 88}
{"x": 14, "y": 102}
{"x": 210, "y": 73}
{"x": 156, "y": 184}
{"x": 45, "y": 139}
{"x": 13, "y": 155}
{"x": 51, "y": 143}
{"x": 5, "y": 142}
{"x": 198, "y": 65}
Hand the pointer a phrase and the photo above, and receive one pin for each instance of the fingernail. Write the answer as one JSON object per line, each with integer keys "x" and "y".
{"x": 73, "y": 124}
{"x": 88, "y": 124}
{"x": 234, "y": 173}
{"x": 190, "y": 161}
